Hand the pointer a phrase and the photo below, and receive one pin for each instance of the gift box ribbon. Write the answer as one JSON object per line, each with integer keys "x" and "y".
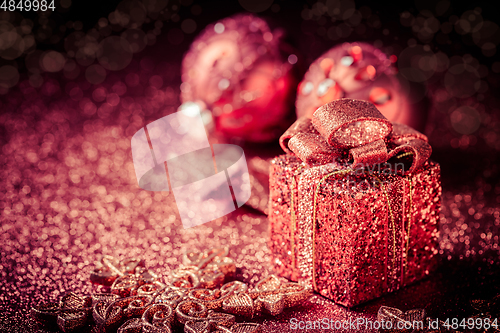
{"x": 353, "y": 131}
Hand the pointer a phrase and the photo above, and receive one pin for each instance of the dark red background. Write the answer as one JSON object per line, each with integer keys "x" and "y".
{"x": 68, "y": 192}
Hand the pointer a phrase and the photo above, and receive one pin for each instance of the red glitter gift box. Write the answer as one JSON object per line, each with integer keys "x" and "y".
{"x": 354, "y": 205}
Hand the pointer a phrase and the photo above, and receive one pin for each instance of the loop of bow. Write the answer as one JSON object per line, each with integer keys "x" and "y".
{"x": 355, "y": 131}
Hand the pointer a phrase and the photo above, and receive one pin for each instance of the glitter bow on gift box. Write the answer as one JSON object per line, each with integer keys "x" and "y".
{"x": 199, "y": 296}
{"x": 355, "y": 193}
{"x": 357, "y": 129}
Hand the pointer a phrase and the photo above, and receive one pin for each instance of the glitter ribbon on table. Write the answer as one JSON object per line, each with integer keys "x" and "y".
{"x": 317, "y": 186}
{"x": 198, "y": 296}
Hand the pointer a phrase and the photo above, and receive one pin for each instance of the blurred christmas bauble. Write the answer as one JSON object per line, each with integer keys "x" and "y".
{"x": 244, "y": 74}
{"x": 361, "y": 71}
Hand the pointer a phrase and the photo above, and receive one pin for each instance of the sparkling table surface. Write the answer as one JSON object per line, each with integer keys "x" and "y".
{"x": 69, "y": 193}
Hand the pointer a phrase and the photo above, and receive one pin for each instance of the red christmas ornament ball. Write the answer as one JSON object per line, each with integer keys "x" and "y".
{"x": 361, "y": 71}
{"x": 244, "y": 74}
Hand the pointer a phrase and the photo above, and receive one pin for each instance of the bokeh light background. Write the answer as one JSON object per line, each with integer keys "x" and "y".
{"x": 77, "y": 83}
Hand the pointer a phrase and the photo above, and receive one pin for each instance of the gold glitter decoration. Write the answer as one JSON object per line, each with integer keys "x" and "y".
{"x": 135, "y": 325}
{"x": 398, "y": 318}
{"x": 240, "y": 304}
{"x": 210, "y": 298}
{"x": 185, "y": 277}
{"x": 133, "y": 306}
{"x": 196, "y": 297}
{"x": 220, "y": 323}
{"x": 234, "y": 287}
{"x": 106, "y": 317}
{"x": 170, "y": 295}
{"x": 72, "y": 320}
{"x": 70, "y": 314}
{"x": 410, "y": 190}
{"x": 149, "y": 289}
{"x": 294, "y": 220}
{"x": 157, "y": 318}
{"x": 190, "y": 310}
{"x": 104, "y": 297}
{"x": 270, "y": 295}
{"x": 412, "y": 321}
{"x": 108, "y": 269}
